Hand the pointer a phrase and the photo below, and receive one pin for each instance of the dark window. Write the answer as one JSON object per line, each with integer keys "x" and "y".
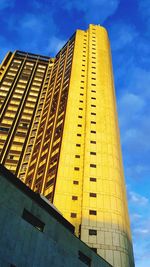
{"x": 93, "y": 165}
{"x": 74, "y": 197}
{"x": 92, "y": 232}
{"x": 76, "y": 168}
{"x": 93, "y": 131}
{"x": 75, "y": 182}
{"x": 78, "y": 134}
{"x": 93, "y": 142}
{"x": 81, "y": 87}
{"x": 93, "y": 113}
{"x": 94, "y": 106}
{"x": 79, "y": 125}
{"x": 94, "y": 249}
{"x": 82, "y": 257}
{"x": 81, "y": 94}
{"x": 80, "y": 108}
{"x": 93, "y": 153}
{"x": 73, "y": 215}
{"x": 4, "y": 129}
{"x": 92, "y": 212}
{"x": 93, "y": 84}
{"x": 94, "y": 98}
{"x": 78, "y": 145}
{"x": 77, "y": 156}
{"x": 30, "y": 218}
{"x": 81, "y": 101}
{"x": 92, "y": 179}
{"x": 80, "y": 117}
{"x": 10, "y": 157}
{"x": 93, "y": 91}
{"x": 93, "y": 195}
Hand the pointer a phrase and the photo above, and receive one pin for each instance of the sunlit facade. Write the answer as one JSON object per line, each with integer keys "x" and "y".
{"x": 59, "y": 135}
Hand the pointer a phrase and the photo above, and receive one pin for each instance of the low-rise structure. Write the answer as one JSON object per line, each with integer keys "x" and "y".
{"x": 33, "y": 233}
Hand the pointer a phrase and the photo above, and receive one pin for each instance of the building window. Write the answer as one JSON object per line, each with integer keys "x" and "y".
{"x": 93, "y": 132}
{"x": 73, "y": 215}
{"x": 33, "y": 220}
{"x": 94, "y": 249}
{"x": 93, "y": 165}
{"x": 93, "y": 195}
{"x": 82, "y": 257}
{"x": 75, "y": 182}
{"x": 80, "y": 117}
{"x": 92, "y": 153}
{"x": 78, "y": 144}
{"x": 93, "y": 113}
{"x": 79, "y": 125}
{"x": 93, "y": 122}
{"x": 93, "y": 142}
{"x": 81, "y": 101}
{"x": 77, "y": 156}
{"x": 76, "y": 168}
{"x": 94, "y": 98}
{"x": 92, "y": 179}
{"x": 92, "y": 232}
{"x": 4, "y": 129}
{"x": 81, "y": 94}
{"x": 80, "y": 108}
{"x": 78, "y": 134}
{"x": 93, "y": 106}
{"x": 92, "y": 212}
{"x": 74, "y": 197}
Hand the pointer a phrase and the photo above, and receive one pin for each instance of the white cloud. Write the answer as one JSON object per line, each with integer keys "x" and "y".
{"x": 122, "y": 35}
{"x": 94, "y": 11}
{"x": 141, "y": 231}
{"x": 144, "y": 8}
{"x": 134, "y": 217}
{"x": 137, "y": 198}
{"x": 6, "y": 4}
{"x": 54, "y": 45}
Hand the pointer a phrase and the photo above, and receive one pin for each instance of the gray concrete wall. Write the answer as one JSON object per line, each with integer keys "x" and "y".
{"x": 22, "y": 245}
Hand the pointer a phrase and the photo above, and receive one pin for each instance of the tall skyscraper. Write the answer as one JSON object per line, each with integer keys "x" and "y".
{"x": 59, "y": 134}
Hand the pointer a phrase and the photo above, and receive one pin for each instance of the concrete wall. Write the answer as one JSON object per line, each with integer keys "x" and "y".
{"x": 23, "y": 245}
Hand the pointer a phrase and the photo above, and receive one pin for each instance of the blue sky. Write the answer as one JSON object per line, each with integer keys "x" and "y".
{"x": 42, "y": 26}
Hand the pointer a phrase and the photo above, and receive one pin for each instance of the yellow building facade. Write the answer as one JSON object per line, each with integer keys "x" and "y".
{"x": 70, "y": 148}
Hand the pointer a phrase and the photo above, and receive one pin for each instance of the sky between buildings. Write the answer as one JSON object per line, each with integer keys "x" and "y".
{"x": 43, "y": 26}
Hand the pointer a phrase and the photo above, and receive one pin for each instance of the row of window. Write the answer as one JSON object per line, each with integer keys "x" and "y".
{"x": 91, "y": 212}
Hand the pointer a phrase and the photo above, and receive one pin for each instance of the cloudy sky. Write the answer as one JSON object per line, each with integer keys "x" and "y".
{"x": 43, "y": 26}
